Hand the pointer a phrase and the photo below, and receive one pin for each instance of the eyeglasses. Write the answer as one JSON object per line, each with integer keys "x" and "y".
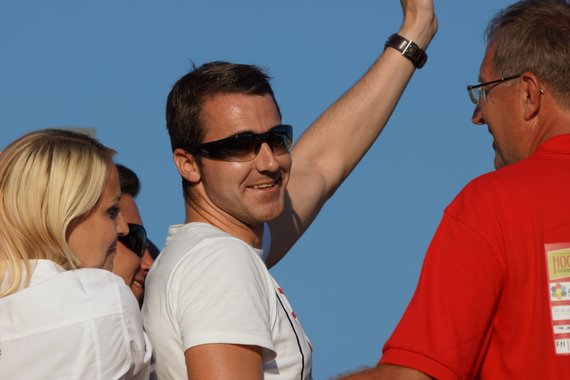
{"x": 478, "y": 92}
{"x": 245, "y": 146}
{"x": 135, "y": 240}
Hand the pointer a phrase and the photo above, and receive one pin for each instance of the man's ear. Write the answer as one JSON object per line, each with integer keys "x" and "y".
{"x": 187, "y": 165}
{"x": 532, "y": 95}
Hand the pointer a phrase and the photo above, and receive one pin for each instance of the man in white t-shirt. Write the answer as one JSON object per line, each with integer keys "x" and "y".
{"x": 211, "y": 309}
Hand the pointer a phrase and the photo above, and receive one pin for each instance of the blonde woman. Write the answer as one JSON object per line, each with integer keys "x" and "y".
{"x": 61, "y": 316}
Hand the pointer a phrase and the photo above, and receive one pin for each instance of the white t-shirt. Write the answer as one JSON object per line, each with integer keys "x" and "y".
{"x": 77, "y": 324}
{"x": 210, "y": 287}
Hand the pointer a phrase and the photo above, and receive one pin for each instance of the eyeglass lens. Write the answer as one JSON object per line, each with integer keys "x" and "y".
{"x": 479, "y": 91}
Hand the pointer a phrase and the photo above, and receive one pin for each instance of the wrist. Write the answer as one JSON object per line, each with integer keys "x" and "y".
{"x": 408, "y": 48}
{"x": 421, "y": 32}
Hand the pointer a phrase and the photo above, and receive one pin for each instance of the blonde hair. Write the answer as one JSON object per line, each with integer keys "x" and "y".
{"x": 48, "y": 179}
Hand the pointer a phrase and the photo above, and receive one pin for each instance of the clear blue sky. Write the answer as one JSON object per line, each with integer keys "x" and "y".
{"x": 110, "y": 64}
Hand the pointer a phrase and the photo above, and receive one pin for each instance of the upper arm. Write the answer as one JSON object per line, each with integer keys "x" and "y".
{"x": 307, "y": 191}
{"x": 224, "y": 361}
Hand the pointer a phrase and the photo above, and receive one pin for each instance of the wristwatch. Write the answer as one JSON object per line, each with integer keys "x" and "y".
{"x": 408, "y": 48}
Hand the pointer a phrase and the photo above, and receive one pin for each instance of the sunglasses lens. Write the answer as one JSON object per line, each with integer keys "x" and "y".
{"x": 239, "y": 148}
{"x": 279, "y": 142}
{"x": 135, "y": 240}
{"x": 152, "y": 249}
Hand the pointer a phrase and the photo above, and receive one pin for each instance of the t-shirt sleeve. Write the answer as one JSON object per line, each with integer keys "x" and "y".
{"x": 448, "y": 322}
{"x": 222, "y": 296}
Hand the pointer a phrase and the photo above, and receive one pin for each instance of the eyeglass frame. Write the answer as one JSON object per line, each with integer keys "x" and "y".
{"x": 482, "y": 94}
{"x": 261, "y": 138}
{"x": 124, "y": 239}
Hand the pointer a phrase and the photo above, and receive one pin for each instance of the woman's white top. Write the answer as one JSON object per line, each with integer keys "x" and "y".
{"x": 77, "y": 324}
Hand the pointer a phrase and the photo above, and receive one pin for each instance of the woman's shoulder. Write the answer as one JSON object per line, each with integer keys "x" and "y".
{"x": 94, "y": 289}
{"x": 95, "y": 276}
{"x": 49, "y": 273}
{"x": 99, "y": 283}
{"x": 58, "y": 298}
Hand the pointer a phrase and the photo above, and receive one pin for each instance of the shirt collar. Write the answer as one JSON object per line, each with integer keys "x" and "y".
{"x": 41, "y": 270}
{"x": 558, "y": 144}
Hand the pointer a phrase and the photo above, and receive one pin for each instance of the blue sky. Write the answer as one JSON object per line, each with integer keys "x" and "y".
{"x": 109, "y": 65}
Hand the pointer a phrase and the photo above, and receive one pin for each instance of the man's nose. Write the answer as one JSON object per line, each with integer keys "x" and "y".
{"x": 265, "y": 160}
{"x": 477, "y": 117}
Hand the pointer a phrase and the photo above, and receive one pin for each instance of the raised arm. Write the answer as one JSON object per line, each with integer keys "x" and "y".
{"x": 328, "y": 151}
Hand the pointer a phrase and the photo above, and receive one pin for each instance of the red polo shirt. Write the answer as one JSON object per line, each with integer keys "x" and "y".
{"x": 487, "y": 304}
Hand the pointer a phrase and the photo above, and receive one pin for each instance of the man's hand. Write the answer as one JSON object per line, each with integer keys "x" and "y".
{"x": 420, "y": 22}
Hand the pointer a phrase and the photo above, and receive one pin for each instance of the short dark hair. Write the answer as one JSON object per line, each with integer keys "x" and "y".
{"x": 188, "y": 95}
{"x": 128, "y": 180}
{"x": 185, "y": 100}
{"x": 534, "y": 35}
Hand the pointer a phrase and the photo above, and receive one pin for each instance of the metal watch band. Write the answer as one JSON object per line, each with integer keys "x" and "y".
{"x": 408, "y": 48}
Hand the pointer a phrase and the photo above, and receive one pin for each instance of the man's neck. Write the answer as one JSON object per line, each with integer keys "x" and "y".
{"x": 551, "y": 120}
{"x": 252, "y": 235}
{"x": 554, "y": 122}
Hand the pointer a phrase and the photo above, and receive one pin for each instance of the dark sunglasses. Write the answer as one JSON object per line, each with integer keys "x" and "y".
{"x": 245, "y": 146}
{"x": 152, "y": 249}
{"x": 135, "y": 240}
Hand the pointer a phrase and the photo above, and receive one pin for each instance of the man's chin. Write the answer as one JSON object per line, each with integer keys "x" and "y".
{"x": 272, "y": 214}
{"x": 268, "y": 212}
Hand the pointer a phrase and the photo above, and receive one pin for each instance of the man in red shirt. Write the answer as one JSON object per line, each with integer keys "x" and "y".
{"x": 493, "y": 299}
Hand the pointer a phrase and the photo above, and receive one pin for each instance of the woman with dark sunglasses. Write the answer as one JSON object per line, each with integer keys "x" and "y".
{"x": 59, "y": 223}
